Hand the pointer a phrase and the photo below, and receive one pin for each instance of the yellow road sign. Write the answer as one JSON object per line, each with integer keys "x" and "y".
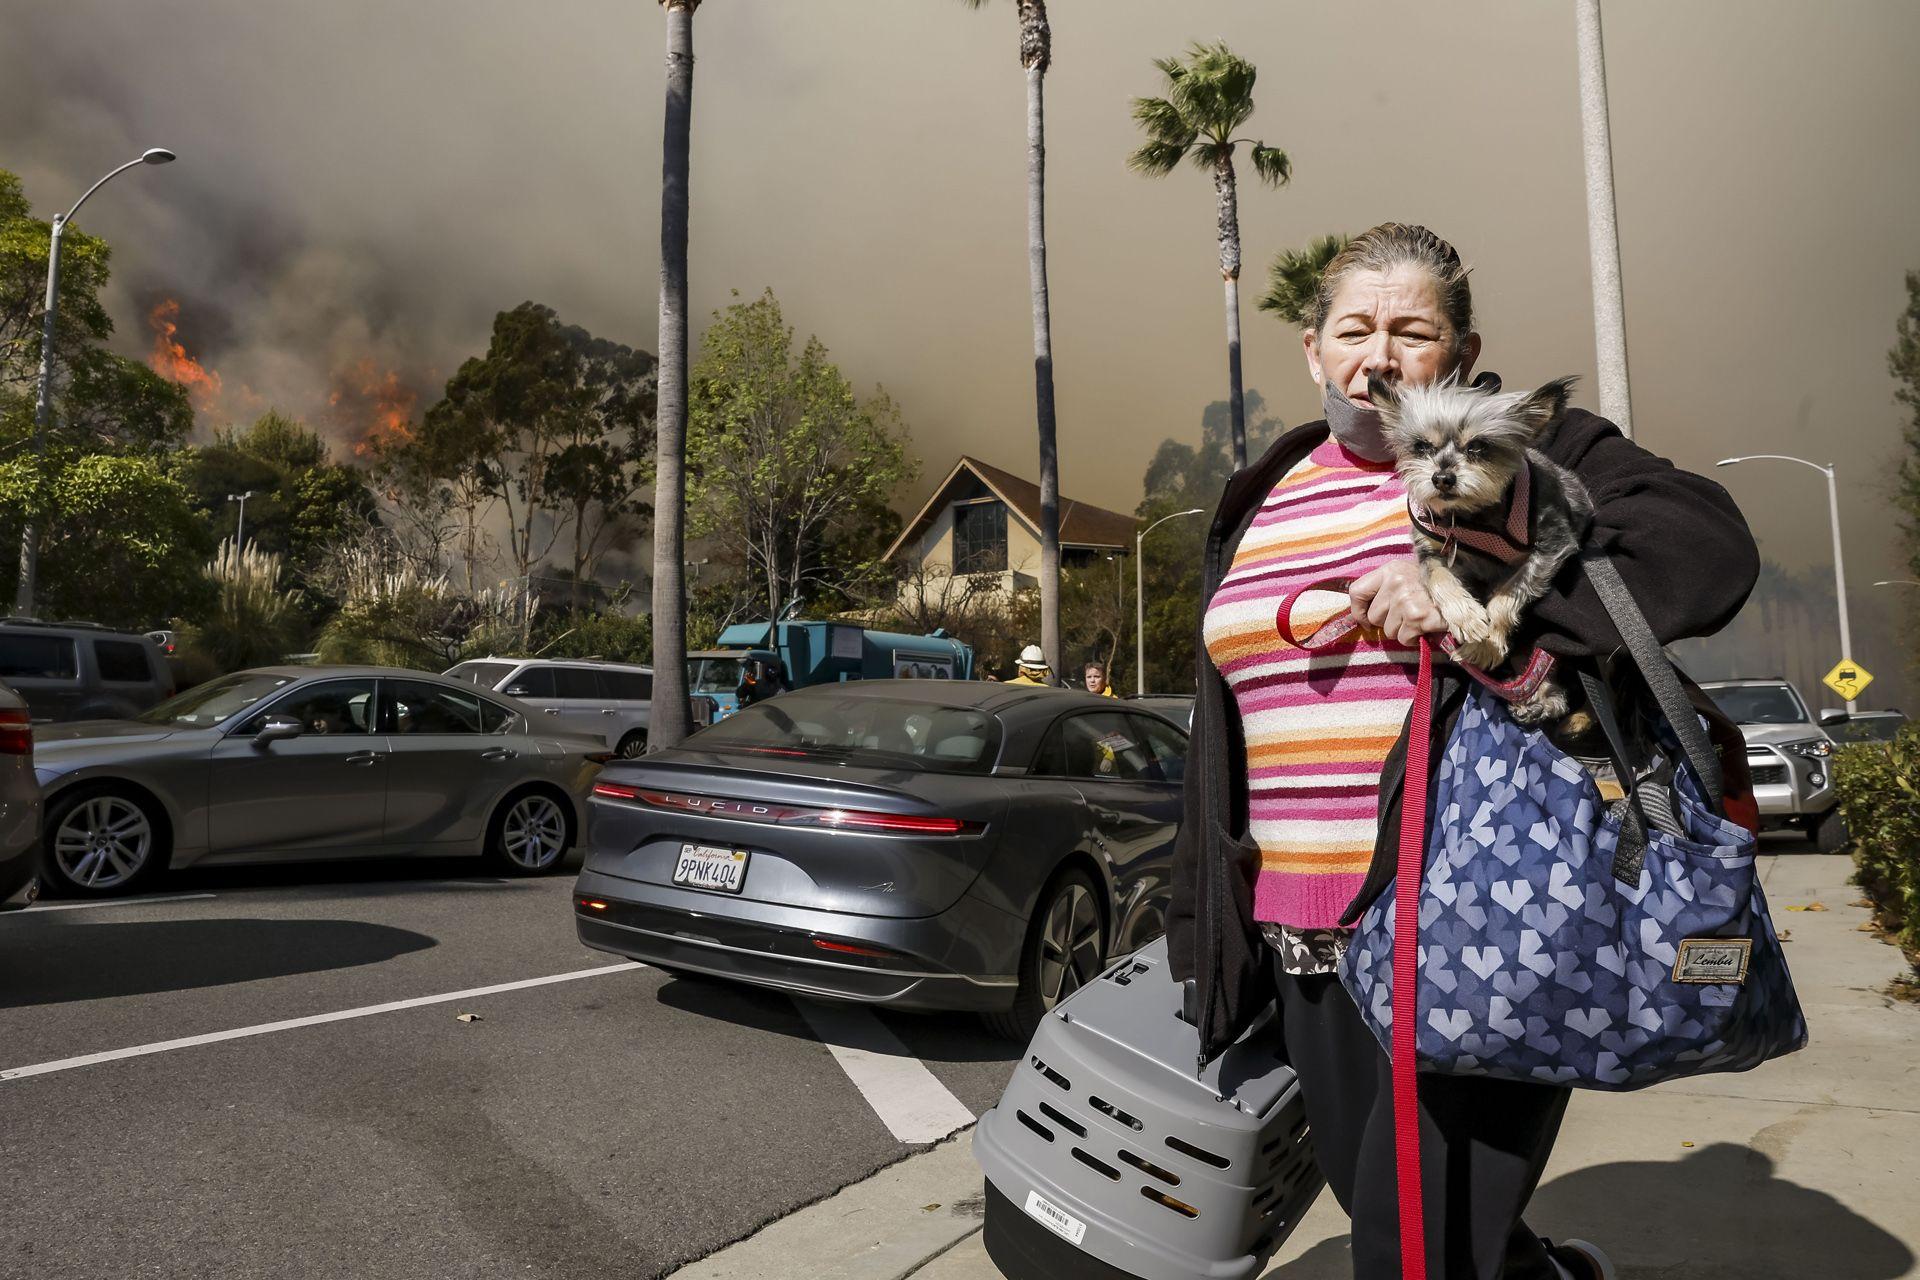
{"x": 1848, "y": 679}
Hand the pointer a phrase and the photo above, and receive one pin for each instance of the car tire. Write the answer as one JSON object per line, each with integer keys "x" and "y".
{"x": 530, "y": 833}
{"x": 1065, "y": 948}
{"x": 1828, "y": 831}
{"x": 633, "y": 746}
{"x": 102, "y": 842}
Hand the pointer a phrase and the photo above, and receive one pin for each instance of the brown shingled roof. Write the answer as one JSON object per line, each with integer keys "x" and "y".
{"x": 1081, "y": 523}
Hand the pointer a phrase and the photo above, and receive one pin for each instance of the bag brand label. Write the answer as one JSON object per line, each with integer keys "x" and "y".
{"x": 1712, "y": 960}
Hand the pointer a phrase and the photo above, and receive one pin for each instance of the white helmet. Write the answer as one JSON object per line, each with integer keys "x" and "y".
{"x": 1032, "y": 657}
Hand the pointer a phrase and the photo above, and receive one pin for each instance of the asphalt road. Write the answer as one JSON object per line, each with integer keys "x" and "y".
{"x": 615, "y": 1124}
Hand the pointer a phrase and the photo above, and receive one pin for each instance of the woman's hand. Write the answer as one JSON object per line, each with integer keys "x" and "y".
{"x": 1395, "y": 600}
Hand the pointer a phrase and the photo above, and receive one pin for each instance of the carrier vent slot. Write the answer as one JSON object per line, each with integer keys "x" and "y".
{"x": 1106, "y": 1108}
{"x": 1066, "y": 1122}
{"x": 1058, "y": 1080}
{"x": 1201, "y": 1154}
{"x": 1034, "y": 1125}
{"x": 1268, "y": 1147}
{"x": 1300, "y": 1129}
{"x": 1265, "y": 1195}
{"x": 1149, "y": 1168}
{"x": 1096, "y": 1164}
{"x": 1168, "y": 1202}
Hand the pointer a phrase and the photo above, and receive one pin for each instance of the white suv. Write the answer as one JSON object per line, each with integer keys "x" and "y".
{"x": 611, "y": 701}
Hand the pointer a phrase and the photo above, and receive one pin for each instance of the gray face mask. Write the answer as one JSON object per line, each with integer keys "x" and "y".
{"x": 1356, "y": 426}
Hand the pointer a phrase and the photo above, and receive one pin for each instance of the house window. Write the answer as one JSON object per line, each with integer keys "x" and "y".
{"x": 980, "y": 537}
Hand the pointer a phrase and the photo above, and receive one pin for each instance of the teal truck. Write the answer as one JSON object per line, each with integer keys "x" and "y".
{"x": 813, "y": 653}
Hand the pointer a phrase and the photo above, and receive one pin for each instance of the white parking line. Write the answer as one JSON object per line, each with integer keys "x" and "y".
{"x": 291, "y": 1024}
{"x": 114, "y": 902}
{"x": 907, "y": 1097}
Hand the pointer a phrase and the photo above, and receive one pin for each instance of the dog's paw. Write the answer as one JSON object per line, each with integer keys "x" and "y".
{"x": 1484, "y": 653}
{"x": 1547, "y": 705}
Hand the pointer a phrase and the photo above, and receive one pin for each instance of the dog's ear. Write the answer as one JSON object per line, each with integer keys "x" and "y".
{"x": 1542, "y": 407}
{"x": 1386, "y": 398}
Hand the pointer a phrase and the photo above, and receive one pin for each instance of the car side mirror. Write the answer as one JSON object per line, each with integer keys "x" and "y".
{"x": 277, "y": 730}
{"x": 1834, "y": 717}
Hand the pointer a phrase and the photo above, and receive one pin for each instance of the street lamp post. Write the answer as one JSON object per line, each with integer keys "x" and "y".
{"x": 1839, "y": 564}
{"x": 1140, "y": 599}
{"x": 240, "y": 529}
{"x": 43, "y": 402}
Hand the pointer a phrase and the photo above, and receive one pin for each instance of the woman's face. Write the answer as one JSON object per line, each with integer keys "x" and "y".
{"x": 1387, "y": 323}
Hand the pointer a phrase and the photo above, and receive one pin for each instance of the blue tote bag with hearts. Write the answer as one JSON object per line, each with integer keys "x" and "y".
{"x": 1567, "y": 939}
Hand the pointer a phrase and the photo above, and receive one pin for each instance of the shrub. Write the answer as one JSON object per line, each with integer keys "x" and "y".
{"x": 610, "y": 636}
{"x": 1879, "y": 786}
{"x": 253, "y": 623}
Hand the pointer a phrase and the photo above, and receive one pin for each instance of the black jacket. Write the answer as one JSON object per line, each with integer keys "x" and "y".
{"x": 1679, "y": 542}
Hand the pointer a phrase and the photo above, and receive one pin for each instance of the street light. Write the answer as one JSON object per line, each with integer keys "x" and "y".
{"x": 240, "y": 529}
{"x": 1839, "y": 565}
{"x": 43, "y": 404}
{"x": 1140, "y": 599}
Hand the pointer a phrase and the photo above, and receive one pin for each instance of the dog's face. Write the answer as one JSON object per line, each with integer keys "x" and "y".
{"x": 1459, "y": 447}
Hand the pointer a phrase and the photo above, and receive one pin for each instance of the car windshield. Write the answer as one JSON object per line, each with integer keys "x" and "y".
{"x": 1760, "y": 704}
{"x": 215, "y": 701}
{"x": 713, "y": 675}
{"x": 885, "y": 732}
{"x": 1867, "y": 729}
{"x": 487, "y": 675}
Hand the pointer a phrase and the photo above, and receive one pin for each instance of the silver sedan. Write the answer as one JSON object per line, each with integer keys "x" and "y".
{"x": 298, "y": 763}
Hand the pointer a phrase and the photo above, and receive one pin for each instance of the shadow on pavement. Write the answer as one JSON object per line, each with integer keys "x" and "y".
{"x": 368, "y": 875}
{"x": 935, "y": 1037}
{"x": 1719, "y": 1214}
{"x": 49, "y": 960}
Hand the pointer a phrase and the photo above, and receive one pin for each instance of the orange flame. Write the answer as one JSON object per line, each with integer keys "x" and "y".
{"x": 170, "y": 360}
{"x": 373, "y": 402}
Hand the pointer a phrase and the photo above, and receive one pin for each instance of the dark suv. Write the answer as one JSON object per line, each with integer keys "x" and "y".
{"x": 81, "y": 671}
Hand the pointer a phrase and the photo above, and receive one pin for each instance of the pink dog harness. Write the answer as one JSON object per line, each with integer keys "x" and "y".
{"x": 1507, "y": 542}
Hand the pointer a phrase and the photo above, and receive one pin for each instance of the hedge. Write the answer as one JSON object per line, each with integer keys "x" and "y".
{"x": 1879, "y": 786}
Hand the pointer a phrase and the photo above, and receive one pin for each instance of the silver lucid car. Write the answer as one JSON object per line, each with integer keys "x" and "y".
{"x": 920, "y": 844}
{"x": 298, "y": 763}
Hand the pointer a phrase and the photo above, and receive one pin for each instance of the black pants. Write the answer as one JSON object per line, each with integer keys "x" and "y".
{"x": 1483, "y": 1144}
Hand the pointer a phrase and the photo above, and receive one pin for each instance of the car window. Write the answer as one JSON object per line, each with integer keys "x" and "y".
{"x": 216, "y": 700}
{"x": 627, "y": 686}
{"x": 325, "y": 707}
{"x": 415, "y": 707}
{"x": 487, "y": 675}
{"x": 1103, "y": 746}
{"x": 1760, "y": 704}
{"x": 576, "y": 682}
{"x": 533, "y": 682}
{"x": 122, "y": 661}
{"x": 38, "y": 658}
{"x": 1169, "y": 747}
{"x": 876, "y": 732}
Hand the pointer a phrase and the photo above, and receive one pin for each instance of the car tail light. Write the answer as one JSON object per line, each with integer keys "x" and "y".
{"x": 16, "y": 733}
{"x": 614, "y": 791}
{"x": 849, "y": 949}
{"x": 862, "y": 820}
{"x": 789, "y": 815}
{"x": 591, "y": 904}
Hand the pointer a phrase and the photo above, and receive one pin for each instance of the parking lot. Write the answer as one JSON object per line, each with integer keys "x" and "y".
{"x": 212, "y": 1079}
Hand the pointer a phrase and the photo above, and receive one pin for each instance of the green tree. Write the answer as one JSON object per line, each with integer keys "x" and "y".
{"x": 1209, "y": 95}
{"x": 1903, "y": 362}
{"x": 790, "y": 471}
{"x": 1036, "y": 57}
{"x": 1294, "y": 277}
{"x": 84, "y": 322}
{"x": 671, "y": 711}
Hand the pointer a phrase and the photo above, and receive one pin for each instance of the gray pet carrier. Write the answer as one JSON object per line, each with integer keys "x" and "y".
{"x": 1109, "y": 1159}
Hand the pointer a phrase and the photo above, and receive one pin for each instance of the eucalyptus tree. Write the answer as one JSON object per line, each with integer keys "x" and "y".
{"x": 1036, "y": 56}
{"x": 1209, "y": 96}
{"x": 670, "y": 710}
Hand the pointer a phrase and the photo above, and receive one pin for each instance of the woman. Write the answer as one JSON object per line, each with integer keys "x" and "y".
{"x": 1291, "y": 823}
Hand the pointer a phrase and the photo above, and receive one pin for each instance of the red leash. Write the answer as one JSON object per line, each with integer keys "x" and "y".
{"x": 1406, "y": 912}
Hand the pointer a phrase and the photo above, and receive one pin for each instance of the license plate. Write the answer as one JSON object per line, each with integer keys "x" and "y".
{"x": 705, "y": 866}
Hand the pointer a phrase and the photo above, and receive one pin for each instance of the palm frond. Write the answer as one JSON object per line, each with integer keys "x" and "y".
{"x": 1156, "y": 159}
{"x": 1271, "y": 164}
{"x": 1294, "y": 277}
{"x": 1161, "y": 121}
{"x": 1207, "y": 156}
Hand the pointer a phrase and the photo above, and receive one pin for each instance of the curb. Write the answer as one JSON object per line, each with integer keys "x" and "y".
{"x": 883, "y": 1228}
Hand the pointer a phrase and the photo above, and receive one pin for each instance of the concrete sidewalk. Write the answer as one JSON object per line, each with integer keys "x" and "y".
{"x": 1807, "y": 1167}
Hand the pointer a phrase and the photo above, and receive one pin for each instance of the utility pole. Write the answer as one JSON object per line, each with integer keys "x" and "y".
{"x": 1603, "y": 232}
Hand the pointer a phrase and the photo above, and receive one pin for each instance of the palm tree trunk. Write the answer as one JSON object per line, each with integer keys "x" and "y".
{"x": 1603, "y": 233}
{"x": 669, "y": 719}
{"x": 1036, "y": 54}
{"x": 1227, "y": 199}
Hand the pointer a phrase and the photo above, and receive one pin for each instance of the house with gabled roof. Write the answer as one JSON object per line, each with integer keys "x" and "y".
{"x": 983, "y": 523}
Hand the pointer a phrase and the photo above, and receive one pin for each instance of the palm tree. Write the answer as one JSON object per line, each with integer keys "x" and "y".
{"x": 1036, "y": 55}
{"x": 1294, "y": 278}
{"x": 669, "y": 721}
{"x": 1209, "y": 96}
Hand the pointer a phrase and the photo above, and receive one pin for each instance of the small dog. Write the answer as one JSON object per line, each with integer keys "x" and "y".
{"x": 1493, "y": 518}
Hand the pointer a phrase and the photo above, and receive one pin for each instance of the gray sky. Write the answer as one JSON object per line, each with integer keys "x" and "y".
{"x": 361, "y": 186}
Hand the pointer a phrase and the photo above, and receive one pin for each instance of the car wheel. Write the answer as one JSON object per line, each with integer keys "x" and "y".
{"x": 1828, "y": 831}
{"x": 633, "y": 746}
{"x": 1065, "y": 948}
{"x": 530, "y": 834}
{"x": 101, "y": 843}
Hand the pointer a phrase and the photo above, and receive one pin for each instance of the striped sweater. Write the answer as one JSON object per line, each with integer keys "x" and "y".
{"x": 1317, "y": 729}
